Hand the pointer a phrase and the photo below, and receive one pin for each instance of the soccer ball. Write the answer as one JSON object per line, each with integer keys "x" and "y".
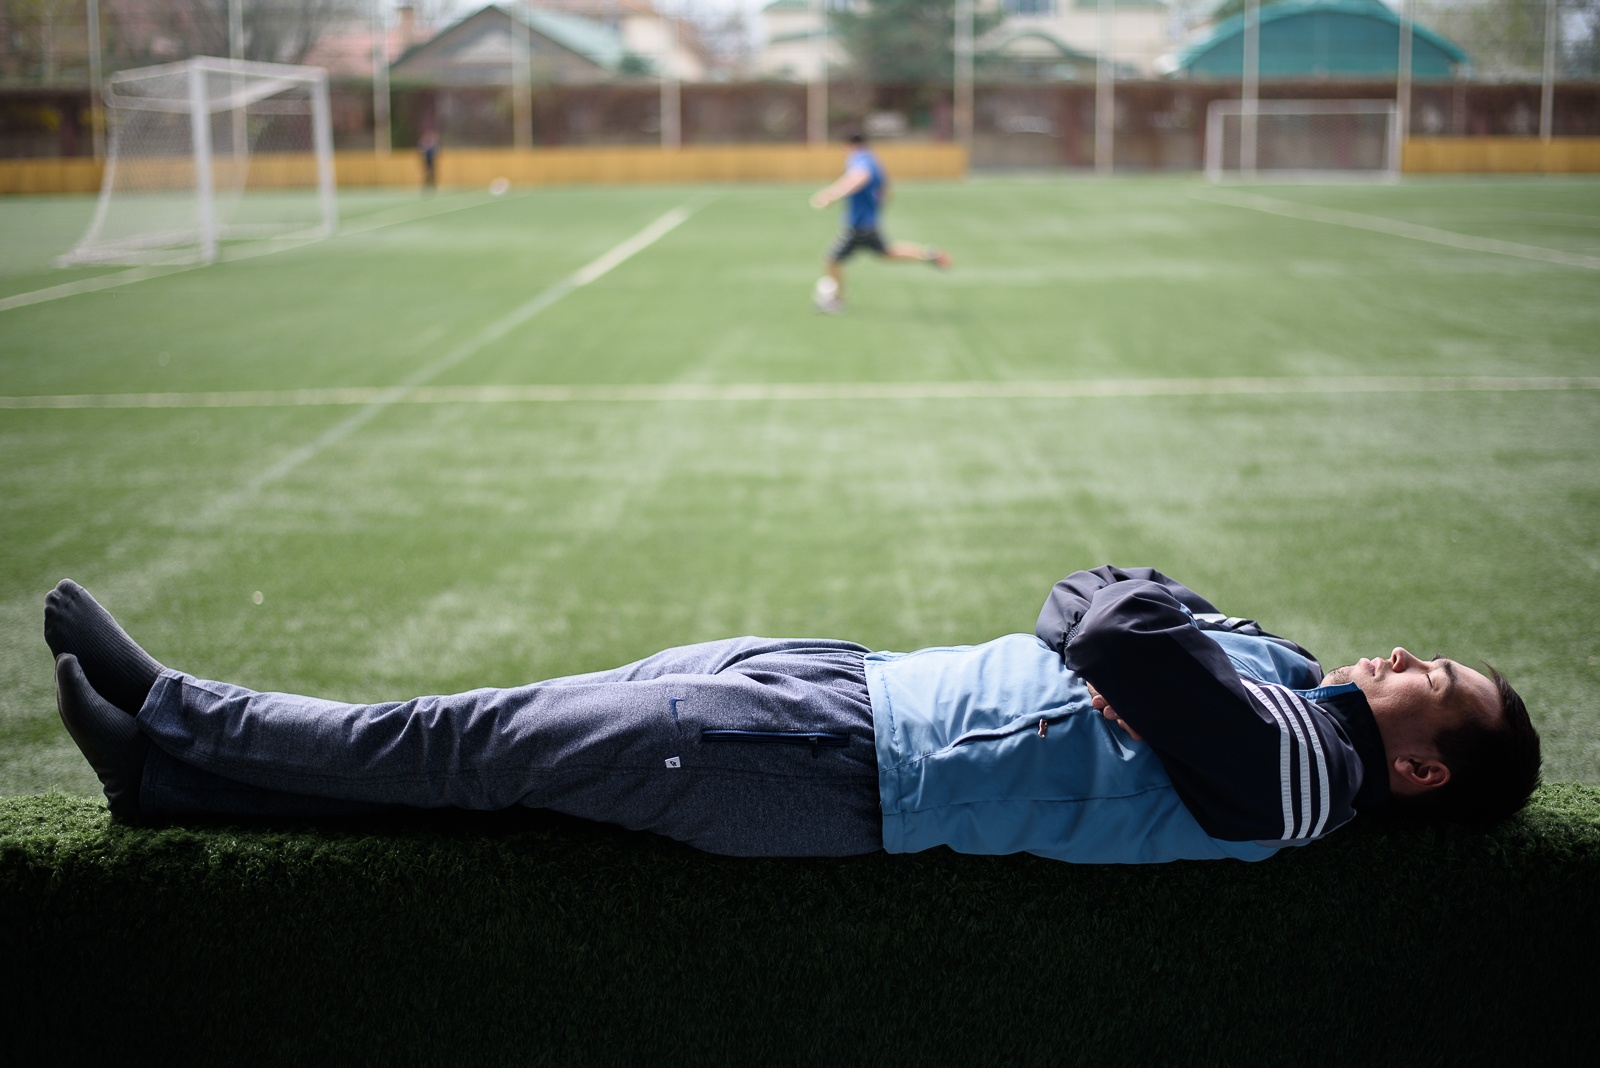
{"x": 498, "y": 187}
{"x": 825, "y": 295}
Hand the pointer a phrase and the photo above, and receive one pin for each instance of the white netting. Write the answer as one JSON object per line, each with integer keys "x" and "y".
{"x": 209, "y": 150}
{"x": 1303, "y": 138}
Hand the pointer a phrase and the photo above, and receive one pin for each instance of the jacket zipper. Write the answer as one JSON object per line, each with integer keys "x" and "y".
{"x": 815, "y": 739}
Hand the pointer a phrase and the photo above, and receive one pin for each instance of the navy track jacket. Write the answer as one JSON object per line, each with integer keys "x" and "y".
{"x": 1251, "y": 760}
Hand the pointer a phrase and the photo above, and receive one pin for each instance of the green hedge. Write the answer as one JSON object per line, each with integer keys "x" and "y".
{"x": 522, "y": 938}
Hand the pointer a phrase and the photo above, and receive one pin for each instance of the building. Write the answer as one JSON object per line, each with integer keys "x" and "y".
{"x": 1050, "y": 40}
{"x": 1135, "y": 34}
{"x": 1316, "y": 39}
{"x": 570, "y": 42}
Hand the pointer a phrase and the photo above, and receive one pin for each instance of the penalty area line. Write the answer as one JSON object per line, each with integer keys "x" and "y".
{"x": 379, "y": 397}
{"x": 1395, "y": 228}
{"x": 375, "y": 401}
{"x": 361, "y": 224}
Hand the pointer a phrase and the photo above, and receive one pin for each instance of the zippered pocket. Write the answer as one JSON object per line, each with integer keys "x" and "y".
{"x": 1039, "y": 725}
{"x": 814, "y": 739}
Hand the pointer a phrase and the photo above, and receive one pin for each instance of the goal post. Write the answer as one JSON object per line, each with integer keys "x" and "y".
{"x": 209, "y": 150}
{"x": 1302, "y": 139}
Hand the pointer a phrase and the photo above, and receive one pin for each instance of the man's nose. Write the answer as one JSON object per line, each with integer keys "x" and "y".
{"x": 1401, "y": 659}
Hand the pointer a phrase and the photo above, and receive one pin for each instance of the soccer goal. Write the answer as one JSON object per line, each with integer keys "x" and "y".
{"x": 210, "y": 150}
{"x": 1303, "y": 139}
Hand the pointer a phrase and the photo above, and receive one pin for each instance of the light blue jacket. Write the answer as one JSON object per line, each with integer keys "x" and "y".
{"x": 996, "y": 748}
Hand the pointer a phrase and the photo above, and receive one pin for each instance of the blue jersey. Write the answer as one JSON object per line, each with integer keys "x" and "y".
{"x": 861, "y": 209}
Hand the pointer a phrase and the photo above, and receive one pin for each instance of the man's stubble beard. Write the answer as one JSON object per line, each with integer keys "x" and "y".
{"x": 1339, "y": 675}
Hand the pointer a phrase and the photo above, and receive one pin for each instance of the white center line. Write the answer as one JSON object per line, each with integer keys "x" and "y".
{"x": 1395, "y": 228}
{"x": 414, "y": 392}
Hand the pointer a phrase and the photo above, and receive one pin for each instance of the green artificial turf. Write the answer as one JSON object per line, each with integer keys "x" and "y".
{"x": 439, "y": 545}
{"x": 522, "y": 939}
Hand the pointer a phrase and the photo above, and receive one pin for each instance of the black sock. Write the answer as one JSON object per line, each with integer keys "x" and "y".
{"x": 115, "y": 666}
{"x": 108, "y": 739}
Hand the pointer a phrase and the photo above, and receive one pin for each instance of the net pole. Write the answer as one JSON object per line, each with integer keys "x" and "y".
{"x": 97, "y": 107}
{"x": 237, "y": 147}
{"x": 963, "y": 74}
{"x": 1392, "y": 147}
{"x": 1403, "y": 88}
{"x": 200, "y": 137}
{"x": 1547, "y": 88}
{"x": 671, "y": 111}
{"x": 381, "y": 144}
{"x": 1250, "y": 90}
{"x": 322, "y": 141}
{"x": 521, "y": 85}
{"x": 1105, "y": 105}
{"x": 817, "y": 88}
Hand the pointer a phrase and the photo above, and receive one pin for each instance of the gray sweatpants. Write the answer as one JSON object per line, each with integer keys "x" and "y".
{"x": 749, "y": 747}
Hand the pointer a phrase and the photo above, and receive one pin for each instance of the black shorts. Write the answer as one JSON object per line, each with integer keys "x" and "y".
{"x": 850, "y": 239}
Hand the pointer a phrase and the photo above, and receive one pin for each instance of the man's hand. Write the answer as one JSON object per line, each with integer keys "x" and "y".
{"x": 1104, "y": 708}
{"x": 848, "y": 183}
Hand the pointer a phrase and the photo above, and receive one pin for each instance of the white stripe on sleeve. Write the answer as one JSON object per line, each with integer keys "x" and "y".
{"x": 1284, "y": 747}
{"x": 1288, "y": 706}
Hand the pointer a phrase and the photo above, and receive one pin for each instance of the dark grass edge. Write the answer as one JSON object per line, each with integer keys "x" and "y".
{"x": 523, "y": 938}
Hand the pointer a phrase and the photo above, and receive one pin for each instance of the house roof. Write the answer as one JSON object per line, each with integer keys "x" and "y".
{"x": 798, "y": 35}
{"x": 1315, "y": 37}
{"x": 1029, "y": 43}
{"x": 594, "y": 41}
{"x": 591, "y": 39}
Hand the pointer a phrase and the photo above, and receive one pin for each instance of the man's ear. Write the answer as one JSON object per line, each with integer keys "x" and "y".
{"x": 1420, "y": 773}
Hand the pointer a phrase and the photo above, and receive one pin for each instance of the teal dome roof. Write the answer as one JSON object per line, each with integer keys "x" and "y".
{"x": 1301, "y": 38}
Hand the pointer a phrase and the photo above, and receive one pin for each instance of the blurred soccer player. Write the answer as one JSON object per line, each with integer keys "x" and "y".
{"x": 428, "y": 148}
{"x": 864, "y": 187}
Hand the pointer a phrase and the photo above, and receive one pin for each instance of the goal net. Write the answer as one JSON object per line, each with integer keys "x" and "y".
{"x": 1305, "y": 139}
{"x": 210, "y": 150}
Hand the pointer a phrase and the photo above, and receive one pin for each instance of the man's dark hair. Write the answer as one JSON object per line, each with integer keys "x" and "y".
{"x": 857, "y": 138}
{"x": 1494, "y": 767}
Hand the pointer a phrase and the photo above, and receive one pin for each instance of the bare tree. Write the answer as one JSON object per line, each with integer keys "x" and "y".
{"x": 276, "y": 31}
{"x": 1502, "y": 38}
{"x": 41, "y": 41}
{"x": 1580, "y": 27}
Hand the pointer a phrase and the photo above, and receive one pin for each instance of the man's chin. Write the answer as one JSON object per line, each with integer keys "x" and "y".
{"x": 1340, "y": 675}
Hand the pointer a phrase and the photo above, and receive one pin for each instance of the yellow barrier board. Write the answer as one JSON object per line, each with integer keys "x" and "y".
{"x": 634, "y": 164}
{"x": 1500, "y": 155}
{"x": 470, "y": 167}
{"x": 49, "y": 176}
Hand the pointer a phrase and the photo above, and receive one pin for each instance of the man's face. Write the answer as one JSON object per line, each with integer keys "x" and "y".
{"x": 1414, "y": 699}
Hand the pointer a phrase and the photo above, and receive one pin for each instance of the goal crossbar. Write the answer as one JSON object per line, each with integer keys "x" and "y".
{"x": 267, "y": 79}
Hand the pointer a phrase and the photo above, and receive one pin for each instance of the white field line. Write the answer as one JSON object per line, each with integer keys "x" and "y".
{"x": 91, "y": 285}
{"x": 360, "y": 225}
{"x": 414, "y": 392}
{"x": 1396, "y": 228}
{"x": 133, "y": 580}
{"x": 375, "y": 401}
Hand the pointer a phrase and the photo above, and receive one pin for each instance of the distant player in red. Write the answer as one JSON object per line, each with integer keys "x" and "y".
{"x": 864, "y": 187}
